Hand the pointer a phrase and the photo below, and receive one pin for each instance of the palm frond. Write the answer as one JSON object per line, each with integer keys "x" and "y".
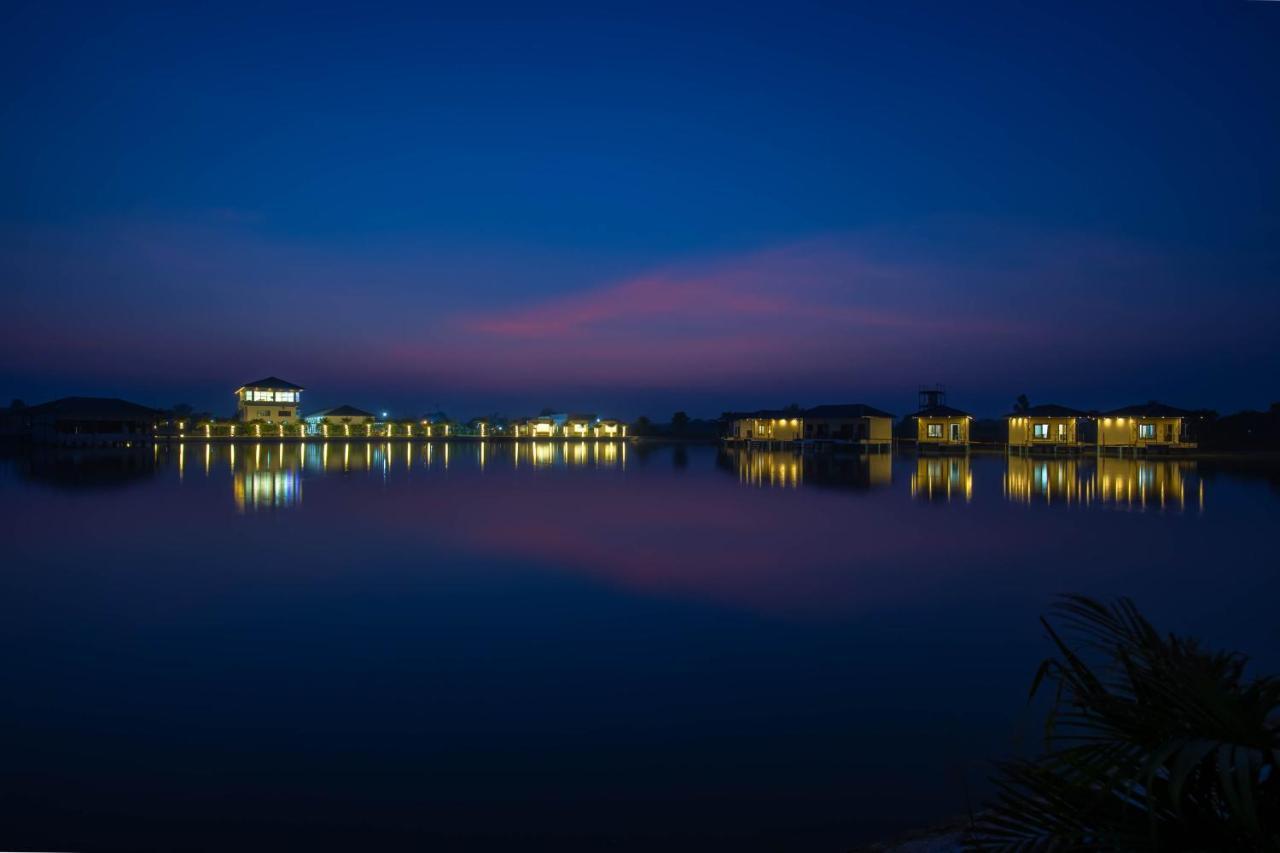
{"x": 1152, "y": 743}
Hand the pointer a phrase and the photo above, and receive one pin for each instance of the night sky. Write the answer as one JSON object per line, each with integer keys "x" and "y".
{"x": 636, "y": 209}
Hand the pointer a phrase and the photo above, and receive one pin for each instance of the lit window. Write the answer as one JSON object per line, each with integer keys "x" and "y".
{"x": 1040, "y": 430}
{"x": 934, "y": 431}
{"x": 1146, "y": 430}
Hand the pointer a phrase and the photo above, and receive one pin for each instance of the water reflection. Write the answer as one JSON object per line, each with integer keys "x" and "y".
{"x": 269, "y": 474}
{"x": 1141, "y": 483}
{"x": 1027, "y": 479}
{"x": 89, "y": 467}
{"x": 942, "y": 478}
{"x": 1127, "y": 483}
{"x": 267, "y": 477}
{"x": 792, "y": 468}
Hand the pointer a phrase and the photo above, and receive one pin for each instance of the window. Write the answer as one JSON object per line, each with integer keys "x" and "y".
{"x": 934, "y": 430}
{"x": 955, "y": 432}
{"x": 1040, "y": 431}
{"x": 1146, "y": 430}
{"x": 1062, "y": 432}
{"x": 283, "y": 414}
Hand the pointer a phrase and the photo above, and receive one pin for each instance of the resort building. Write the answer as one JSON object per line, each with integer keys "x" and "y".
{"x": 543, "y": 426}
{"x": 849, "y": 422}
{"x": 767, "y": 426}
{"x": 938, "y": 426}
{"x": 90, "y": 422}
{"x": 338, "y": 420}
{"x": 1048, "y": 429}
{"x": 271, "y": 400}
{"x": 579, "y": 426}
{"x": 609, "y": 428}
{"x": 1146, "y": 427}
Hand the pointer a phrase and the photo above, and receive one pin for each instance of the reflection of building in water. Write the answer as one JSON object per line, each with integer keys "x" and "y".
{"x": 789, "y": 468}
{"x": 267, "y": 476}
{"x": 544, "y": 454}
{"x": 1051, "y": 480}
{"x": 1136, "y": 483}
{"x": 768, "y": 467}
{"x": 942, "y": 478}
{"x": 1142, "y": 483}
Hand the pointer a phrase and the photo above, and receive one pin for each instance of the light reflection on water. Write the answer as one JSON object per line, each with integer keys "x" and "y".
{"x": 269, "y": 475}
{"x": 585, "y": 622}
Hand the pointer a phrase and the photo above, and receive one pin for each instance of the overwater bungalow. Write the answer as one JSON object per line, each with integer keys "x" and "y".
{"x": 1046, "y": 429}
{"x": 940, "y": 428}
{"x": 271, "y": 400}
{"x": 767, "y": 426}
{"x": 846, "y": 423}
{"x": 338, "y": 420}
{"x": 1145, "y": 428}
{"x": 854, "y": 423}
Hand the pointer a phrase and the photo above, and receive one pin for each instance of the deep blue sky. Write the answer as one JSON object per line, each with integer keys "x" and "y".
{"x": 641, "y": 208}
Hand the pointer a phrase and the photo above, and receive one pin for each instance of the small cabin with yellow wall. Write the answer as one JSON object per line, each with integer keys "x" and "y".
{"x": 1049, "y": 429}
{"x": 1143, "y": 428}
{"x": 767, "y": 426}
{"x": 855, "y": 423}
{"x": 579, "y": 426}
{"x": 942, "y": 428}
{"x": 610, "y": 428}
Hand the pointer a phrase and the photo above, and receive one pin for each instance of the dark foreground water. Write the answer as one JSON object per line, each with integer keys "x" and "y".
{"x": 576, "y": 647}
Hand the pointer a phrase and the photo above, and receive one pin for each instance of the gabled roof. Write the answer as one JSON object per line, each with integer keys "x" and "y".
{"x": 274, "y": 383}
{"x": 941, "y": 412}
{"x": 1152, "y": 409}
{"x": 845, "y": 410}
{"x": 342, "y": 412}
{"x": 93, "y": 408}
{"x": 1048, "y": 410}
{"x": 764, "y": 413}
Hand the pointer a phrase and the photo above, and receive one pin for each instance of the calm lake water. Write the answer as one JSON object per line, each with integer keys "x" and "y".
{"x": 578, "y": 646}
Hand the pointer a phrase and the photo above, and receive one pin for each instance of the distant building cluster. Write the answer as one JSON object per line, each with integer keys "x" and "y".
{"x": 272, "y": 408}
{"x": 940, "y": 428}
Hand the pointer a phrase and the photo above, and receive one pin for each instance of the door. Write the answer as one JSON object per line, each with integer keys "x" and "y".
{"x": 955, "y": 432}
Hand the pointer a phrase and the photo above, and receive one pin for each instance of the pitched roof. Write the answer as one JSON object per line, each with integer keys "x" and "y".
{"x": 342, "y": 412}
{"x": 1048, "y": 410}
{"x": 941, "y": 412}
{"x": 766, "y": 413}
{"x": 1152, "y": 409}
{"x": 845, "y": 410}
{"x": 94, "y": 408}
{"x": 275, "y": 383}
